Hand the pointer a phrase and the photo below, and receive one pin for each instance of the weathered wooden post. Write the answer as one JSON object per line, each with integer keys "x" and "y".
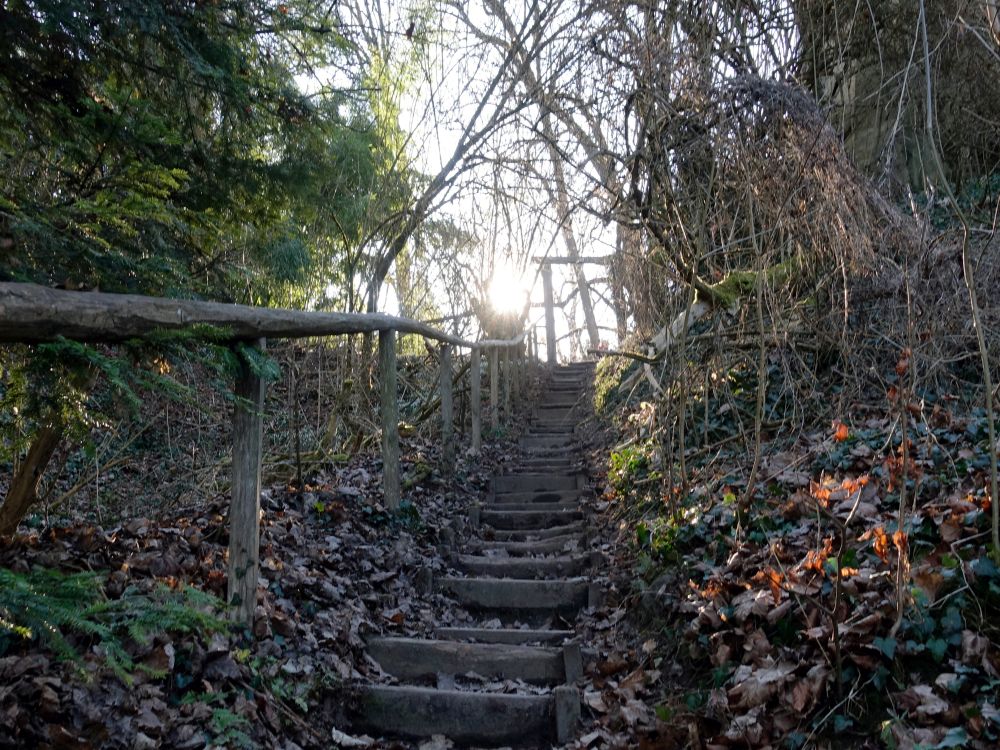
{"x": 447, "y": 410}
{"x": 522, "y": 367}
{"x": 515, "y": 375}
{"x": 494, "y": 387}
{"x": 476, "y": 399}
{"x": 550, "y": 313}
{"x": 244, "y": 511}
{"x": 390, "y": 418}
{"x": 505, "y": 376}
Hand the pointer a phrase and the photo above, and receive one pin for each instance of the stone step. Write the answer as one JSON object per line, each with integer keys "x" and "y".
{"x": 516, "y": 498}
{"x": 532, "y": 505}
{"x": 535, "y": 482}
{"x": 551, "y": 429}
{"x": 417, "y": 659}
{"x": 565, "y": 448}
{"x": 567, "y": 456}
{"x": 566, "y": 596}
{"x": 562, "y": 429}
{"x": 563, "y": 418}
{"x": 569, "y": 452}
{"x": 469, "y": 718}
{"x": 555, "y": 545}
{"x": 505, "y": 635}
{"x": 555, "y": 413}
{"x": 523, "y": 567}
{"x": 517, "y": 520}
{"x": 528, "y": 535}
{"x": 545, "y": 465}
{"x": 530, "y": 442}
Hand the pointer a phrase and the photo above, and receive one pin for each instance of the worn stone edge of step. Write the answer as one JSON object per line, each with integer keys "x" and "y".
{"x": 517, "y": 594}
{"x": 423, "y": 658}
{"x": 505, "y": 635}
{"x": 467, "y": 717}
{"x": 528, "y": 520}
{"x": 523, "y": 567}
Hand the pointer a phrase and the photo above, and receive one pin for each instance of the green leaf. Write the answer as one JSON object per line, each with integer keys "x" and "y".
{"x": 937, "y": 647}
{"x": 643, "y": 534}
{"x": 886, "y": 645}
{"x": 842, "y": 723}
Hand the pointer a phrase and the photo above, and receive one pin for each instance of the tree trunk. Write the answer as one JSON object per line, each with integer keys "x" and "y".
{"x": 24, "y": 488}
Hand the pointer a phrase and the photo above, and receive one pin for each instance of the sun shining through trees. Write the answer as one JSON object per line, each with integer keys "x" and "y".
{"x": 508, "y": 290}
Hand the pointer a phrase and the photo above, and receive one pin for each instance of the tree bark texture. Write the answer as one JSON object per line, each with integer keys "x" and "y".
{"x": 30, "y": 313}
{"x": 24, "y": 487}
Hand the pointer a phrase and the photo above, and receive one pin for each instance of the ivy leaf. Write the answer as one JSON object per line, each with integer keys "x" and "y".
{"x": 886, "y": 645}
{"x": 937, "y": 648}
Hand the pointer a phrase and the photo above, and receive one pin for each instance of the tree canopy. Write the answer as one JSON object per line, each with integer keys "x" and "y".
{"x": 181, "y": 148}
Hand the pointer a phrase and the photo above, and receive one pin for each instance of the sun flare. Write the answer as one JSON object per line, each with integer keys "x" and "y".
{"x": 507, "y": 290}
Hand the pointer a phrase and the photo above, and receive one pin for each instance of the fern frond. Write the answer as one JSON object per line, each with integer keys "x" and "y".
{"x": 50, "y": 606}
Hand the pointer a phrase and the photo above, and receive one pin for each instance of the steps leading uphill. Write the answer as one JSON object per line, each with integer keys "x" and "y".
{"x": 523, "y": 573}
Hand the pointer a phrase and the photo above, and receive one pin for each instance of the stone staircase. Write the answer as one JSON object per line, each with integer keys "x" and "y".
{"x": 526, "y": 565}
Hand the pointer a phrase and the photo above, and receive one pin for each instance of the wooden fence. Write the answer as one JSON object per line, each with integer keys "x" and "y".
{"x": 33, "y": 314}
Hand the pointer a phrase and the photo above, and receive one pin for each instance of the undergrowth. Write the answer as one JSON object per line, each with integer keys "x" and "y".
{"x": 60, "y": 610}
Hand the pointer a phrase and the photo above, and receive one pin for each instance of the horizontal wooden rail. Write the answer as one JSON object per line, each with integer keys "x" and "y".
{"x": 599, "y": 260}
{"x": 30, "y": 313}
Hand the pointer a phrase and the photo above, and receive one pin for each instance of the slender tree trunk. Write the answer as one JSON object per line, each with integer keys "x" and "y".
{"x": 23, "y": 490}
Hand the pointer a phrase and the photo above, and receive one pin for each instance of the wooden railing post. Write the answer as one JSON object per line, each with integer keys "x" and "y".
{"x": 550, "y": 314}
{"x": 447, "y": 411}
{"x": 390, "y": 418}
{"x": 522, "y": 368}
{"x": 476, "y": 398}
{"x": 534, "y": 343}
{"x": 494, "y": 355}
{"x": 506, "y": 383}
{"x": 244, "y": 511}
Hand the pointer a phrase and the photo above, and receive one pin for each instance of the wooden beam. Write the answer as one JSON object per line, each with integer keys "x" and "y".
{"x": 447, "y": 411}
{"x": 550, "y": 315}
{"x": 244, "y": 511}
{"x": 494, "y": 389}
{"x": 508, "y": 375}
{"x": 476, "y": 399}
{"x": 30, "y": 313}
{"x": 390, "y": 419}
{"x": 600, "y": 260}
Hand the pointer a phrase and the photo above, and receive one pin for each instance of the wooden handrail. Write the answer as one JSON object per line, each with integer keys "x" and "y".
{"x": 31, "y": 314}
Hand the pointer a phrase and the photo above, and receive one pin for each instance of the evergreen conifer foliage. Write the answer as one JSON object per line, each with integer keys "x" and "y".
{"x": 165, "y": 148}
{"x": 171, "y": 148}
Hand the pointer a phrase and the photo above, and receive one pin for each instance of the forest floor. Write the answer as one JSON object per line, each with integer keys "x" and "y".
{"x": 335, "y": 567}
{"x": 768, "y": 621}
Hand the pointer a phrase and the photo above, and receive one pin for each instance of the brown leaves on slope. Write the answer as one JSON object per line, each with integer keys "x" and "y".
{"x": 788, "y": 621}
